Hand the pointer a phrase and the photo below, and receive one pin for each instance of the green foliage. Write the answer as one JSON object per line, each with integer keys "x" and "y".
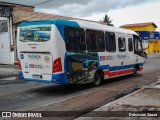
{"x": 107, "y": 20}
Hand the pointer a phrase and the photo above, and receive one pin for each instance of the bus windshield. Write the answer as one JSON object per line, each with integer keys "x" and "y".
{"x": 35, "y": 34}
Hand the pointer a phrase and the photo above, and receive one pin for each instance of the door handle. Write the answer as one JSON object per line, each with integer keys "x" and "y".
{"x": 122, "y": 63}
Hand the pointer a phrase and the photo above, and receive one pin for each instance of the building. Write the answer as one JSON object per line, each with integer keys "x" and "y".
{"x": 149, "y": 26}
{"x": 148, "y": 34}
{"x": 10, "y": 16}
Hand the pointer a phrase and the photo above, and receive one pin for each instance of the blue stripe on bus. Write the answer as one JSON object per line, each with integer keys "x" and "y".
{"x": 60, "y": 78}
{"x": 37, "y": 80}
{"x": 114, "y": 68}
{"x": 103, "y": 67}
{"x": 130, "y": 66}
{"x": 56, "y": 78}
{"x": 122, "y": 67}
{"x": 60, "y": 24}
{"x": 21, "y": 74}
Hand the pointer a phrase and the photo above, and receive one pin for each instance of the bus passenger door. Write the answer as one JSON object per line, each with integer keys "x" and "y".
{"x": 130, "y": 52}
{"x": 122, "y": 55}
{"x": 111, "y": 54}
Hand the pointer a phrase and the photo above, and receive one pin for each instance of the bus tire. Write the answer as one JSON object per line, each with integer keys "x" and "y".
{"x": 134, "y": 72}
{"x": 97, "y": 79}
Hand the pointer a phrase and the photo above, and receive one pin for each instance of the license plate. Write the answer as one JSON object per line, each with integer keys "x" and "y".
{"x": 37, "y": 76}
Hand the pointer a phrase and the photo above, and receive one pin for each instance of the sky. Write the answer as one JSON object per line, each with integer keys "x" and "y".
{"x": 120, "y": 11}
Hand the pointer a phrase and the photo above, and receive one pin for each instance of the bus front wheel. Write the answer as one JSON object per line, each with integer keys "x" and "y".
{"x": 134, "y": 72}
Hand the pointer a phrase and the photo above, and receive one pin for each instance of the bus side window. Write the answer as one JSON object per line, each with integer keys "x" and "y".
{"x": 90, "y": 39}
{"x": 95, "y": 41}
{"x": 69, "y": 39}
{"x": 110, "y": 42}
{"x": 80, "y": 40}
{"x": 130, "y": 44}
{"x": 100, "y": 43}
{"x": 121, "y": 44}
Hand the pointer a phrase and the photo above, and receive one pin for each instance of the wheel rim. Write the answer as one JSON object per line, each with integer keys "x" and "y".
{"x": 97, "y": 80}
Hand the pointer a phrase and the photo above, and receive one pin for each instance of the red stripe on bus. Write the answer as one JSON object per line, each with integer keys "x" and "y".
{"x": 106, "y": 72}
{"x": 130, "y": 71}
{"x": 122, "y": 72}
{"x": 111, "y": 74}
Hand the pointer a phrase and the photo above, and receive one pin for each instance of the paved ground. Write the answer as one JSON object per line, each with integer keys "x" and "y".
{"x": 17, "y": 94}
{"x": 143, "y": 104}
{"x": 8, "y": 71}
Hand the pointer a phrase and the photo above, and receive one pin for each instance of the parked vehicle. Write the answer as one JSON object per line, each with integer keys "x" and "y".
{"x": 76, "y": 52}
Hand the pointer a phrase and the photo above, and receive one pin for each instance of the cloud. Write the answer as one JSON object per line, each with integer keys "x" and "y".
{"x": 78, "y": 8}
{"x": 83, "y": 8}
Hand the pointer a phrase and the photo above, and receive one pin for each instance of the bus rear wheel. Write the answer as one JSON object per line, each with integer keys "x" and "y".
{"x": 97, "y": 79}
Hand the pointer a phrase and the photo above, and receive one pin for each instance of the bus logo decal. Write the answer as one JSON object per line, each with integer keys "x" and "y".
{"x": 102, "y": 58}
{"x": 34, "y": 57}
{"x": 26, "y": 65}
{"x": 35, "y": 66}
{"x": 31, "y": 65}
{"x": 109, "y": 58}
{"x": 46, "y": 59}
{"x": 121, "y": 56}
{"x": 22, "y": 56}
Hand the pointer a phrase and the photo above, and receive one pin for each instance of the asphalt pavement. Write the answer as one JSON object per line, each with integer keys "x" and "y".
{"x": 143, "y": 104}
{"x": 8, "y": 71}
{"x": 27, "y": 95}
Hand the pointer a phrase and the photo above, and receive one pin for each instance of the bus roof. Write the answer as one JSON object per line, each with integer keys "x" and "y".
{"x": 79, "y": 24}
{"x": 98, "y": 26}
{"x": 57, "y": 22}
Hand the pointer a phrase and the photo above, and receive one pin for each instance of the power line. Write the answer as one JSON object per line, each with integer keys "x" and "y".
{"x": 43, "y": 2}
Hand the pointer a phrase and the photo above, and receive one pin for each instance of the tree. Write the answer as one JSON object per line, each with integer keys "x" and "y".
{"x": 107, "y": 20}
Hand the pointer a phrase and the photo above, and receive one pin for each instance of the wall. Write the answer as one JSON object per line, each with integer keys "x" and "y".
{"x": 151, "y": 47}
{"x": 154, "y": 45}
{"x": 157, "y": 46}
{"x": 143, "y": 28}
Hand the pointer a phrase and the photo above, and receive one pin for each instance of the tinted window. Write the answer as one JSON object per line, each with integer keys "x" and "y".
{"x": 100, "y": 44}
{"x": 130, "y": 44}
{"x": 80, "y": 40}
{"x": 90, "y": 39}
{"x": 95, "y": 41}
{"x": 121, "y": 44}
{"x": 110, "y": 42}
{"x": 70, "y": 39}
{"x": 75, "y": 39}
